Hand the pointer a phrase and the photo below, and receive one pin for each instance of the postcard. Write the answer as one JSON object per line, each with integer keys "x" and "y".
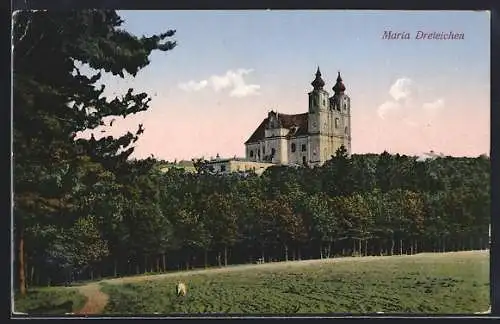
{"x": 250, "y": 163}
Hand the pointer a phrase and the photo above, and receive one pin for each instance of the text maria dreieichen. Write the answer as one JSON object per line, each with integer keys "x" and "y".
{"x": 421, "y": 35}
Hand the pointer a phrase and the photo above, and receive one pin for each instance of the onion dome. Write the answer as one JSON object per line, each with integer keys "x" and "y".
{"x": 318, "y": 82}
{"x": 339, "y": 87}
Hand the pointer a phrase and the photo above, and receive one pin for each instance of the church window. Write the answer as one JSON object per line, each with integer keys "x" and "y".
{"x": 263, "y": 150}
{"x": 303, "y": 147}
{"x": 346, "y": 131}
{"x": 293, "y": 147}
{"x": 324, "y": 102}
{"x": 345, "y": 106}
{"x": 251, "y": 153}
{"x": 223, "y": 168}
{"x": 273, "y": 151}
{"x": 304, "y": 161}
{"x": 336, "y": 123}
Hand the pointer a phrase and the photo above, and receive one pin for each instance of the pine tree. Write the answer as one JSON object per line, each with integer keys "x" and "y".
{"x": 54, "y": 100}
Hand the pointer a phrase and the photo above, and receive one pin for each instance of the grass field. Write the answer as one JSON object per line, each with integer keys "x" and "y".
{"x": 53, "y": 300}
{"x": 424, "y": 283}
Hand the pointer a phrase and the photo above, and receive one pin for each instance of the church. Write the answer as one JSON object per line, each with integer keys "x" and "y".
{"x": 310, "y": 138}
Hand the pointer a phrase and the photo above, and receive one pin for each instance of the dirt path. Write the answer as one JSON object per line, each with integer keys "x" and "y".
{"x": 96, "y": 299}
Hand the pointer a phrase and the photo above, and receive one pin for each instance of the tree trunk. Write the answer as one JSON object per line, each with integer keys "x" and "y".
{"x": 321, "y": 250}
{"x": 157, "y": 264}
{"x": 444, "y": 244}
{"x": 32, "y": 275}
{"x": 359, "y": 245}
{"x": 225, "y": 256}
{"x": 286, "y": 252}
{"x": 263, "y": 256}
{"x": 416, "y": 246}
{"x": 299, "y": 257}
{"x": 164, "y": 263}
{"x": 393, "y": 243}
{"x": 411, "y": 247}
{"x": 145, "y": 264}
{"x": 366, "y": 247}
{"x": 400, "y": 247}
{"x": 20, "y": 255}
{"x": 206, "y": 258}
{"x": 353, "y": 247}
{"x": 91, "y": 274}
{"x": 330, "y": 254}
{"x": 115, "y": 266}
{"x": 219, "y": 258}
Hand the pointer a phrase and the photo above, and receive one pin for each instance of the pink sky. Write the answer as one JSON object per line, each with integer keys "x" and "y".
{"x": 229, "y": 69}
{"x": 182, "y": 125}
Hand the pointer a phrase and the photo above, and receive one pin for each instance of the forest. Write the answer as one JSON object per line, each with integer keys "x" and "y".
{"x": 83, "y": 209}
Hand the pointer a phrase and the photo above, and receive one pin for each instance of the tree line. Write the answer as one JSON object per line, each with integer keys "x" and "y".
{"x": 145, "y": 220}
{"x": 84, "y": 210}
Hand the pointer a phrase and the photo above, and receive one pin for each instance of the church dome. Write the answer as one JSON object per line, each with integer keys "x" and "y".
{"x": 339, "y": 87}
{"x": 318, "y": 82}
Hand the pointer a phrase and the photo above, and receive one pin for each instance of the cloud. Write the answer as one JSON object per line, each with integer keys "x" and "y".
{"x": 433, "y": 106}
{"x": 386, "y": 107}
{"x": 401, "y": 92}
{"x": 193, "y": 85}
{"x": 232, "y": 80}
{"x": 405, "y": 97}
{"x": 401, "y": 89}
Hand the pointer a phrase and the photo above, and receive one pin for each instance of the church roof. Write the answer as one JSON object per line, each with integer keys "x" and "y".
{"x": 339, "y": 87}
{"x": 318, "y": 83}
{"x": 287, "y": 121}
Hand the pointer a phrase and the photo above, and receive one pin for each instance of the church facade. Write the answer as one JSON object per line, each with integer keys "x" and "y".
{"x": 309, "y": 138}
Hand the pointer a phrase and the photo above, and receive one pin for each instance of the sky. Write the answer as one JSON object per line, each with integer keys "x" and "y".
{"x": 230, "y": 68}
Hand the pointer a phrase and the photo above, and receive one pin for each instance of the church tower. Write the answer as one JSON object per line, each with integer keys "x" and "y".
{"x": 340, "y": 105}
{"x": 317, "y": 120}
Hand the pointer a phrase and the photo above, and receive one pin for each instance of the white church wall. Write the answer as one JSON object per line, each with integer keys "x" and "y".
{"x": 300, "y": 144}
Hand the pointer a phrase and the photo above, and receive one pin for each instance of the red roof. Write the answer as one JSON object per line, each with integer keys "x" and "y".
{"x": 287, "y": 121}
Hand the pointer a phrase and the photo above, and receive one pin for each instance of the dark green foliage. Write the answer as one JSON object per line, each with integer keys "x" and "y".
{"x": 152, "y": 221}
